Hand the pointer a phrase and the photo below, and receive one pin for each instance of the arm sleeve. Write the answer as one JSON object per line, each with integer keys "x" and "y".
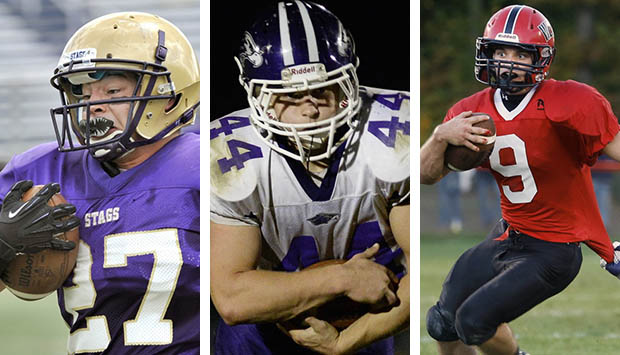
{"x": 584, "y": 110}
{"x": 231, "y": 212}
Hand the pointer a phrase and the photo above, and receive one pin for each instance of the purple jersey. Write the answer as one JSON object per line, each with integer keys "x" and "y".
{"x": 135, "y": 288}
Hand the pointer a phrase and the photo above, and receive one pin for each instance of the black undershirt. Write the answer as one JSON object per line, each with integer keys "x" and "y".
{"x": 511, "y": 101}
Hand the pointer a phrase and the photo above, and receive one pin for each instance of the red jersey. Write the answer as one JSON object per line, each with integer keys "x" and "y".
{"x": 542, "y": 158}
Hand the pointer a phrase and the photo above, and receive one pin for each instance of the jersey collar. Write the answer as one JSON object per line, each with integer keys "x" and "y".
{"x": 503, "y": 111}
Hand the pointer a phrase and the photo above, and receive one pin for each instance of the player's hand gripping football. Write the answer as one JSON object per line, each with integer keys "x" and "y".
{"x": 613, "y": 268}
{"x": 368, "y": 281}
{"x": 31, "y": 226}
{"x": 460, "y": 130}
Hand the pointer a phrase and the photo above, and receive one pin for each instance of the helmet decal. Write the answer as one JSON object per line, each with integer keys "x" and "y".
{"x": 345, "y": 43}
{"x": 252, "y": 52}
{"x": 546, "y": 30}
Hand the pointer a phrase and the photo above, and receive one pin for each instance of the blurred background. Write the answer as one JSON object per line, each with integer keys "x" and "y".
{"x": 459, "y": 211}
{"x": 33, "y": 35}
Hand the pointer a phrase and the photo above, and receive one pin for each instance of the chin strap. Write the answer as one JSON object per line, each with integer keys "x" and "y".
{"x": 110, "y": 168}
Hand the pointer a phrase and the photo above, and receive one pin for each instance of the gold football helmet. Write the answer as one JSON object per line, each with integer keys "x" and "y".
{"x": 145, "y": 46}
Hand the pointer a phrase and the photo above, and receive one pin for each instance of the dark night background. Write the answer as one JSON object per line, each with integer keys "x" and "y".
{"x": 381, "y": 35}
{"x": 382, "y": 41}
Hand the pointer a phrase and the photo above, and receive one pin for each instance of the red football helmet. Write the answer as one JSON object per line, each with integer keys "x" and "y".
{"x": 518, "y": 26}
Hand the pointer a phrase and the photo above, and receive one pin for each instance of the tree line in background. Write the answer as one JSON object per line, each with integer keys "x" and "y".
{"x": 587, "y": 36}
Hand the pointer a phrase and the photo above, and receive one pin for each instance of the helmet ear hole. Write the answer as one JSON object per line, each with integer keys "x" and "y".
{"x": 172, "y": 103}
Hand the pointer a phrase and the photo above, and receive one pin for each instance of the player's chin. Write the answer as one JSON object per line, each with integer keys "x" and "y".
{"x": 518, "y": 87}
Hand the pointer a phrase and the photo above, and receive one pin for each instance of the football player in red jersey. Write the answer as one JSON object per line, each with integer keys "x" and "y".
{"x": 549, "y": 133}
{"x": 307, "y": 173}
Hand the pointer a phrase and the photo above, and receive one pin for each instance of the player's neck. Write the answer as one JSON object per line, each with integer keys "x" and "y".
{"x": 317, "y": 171}
{"x": 511, "y": 101}
{"x": 317, "y": 167}
{"x": 141, "y": 154}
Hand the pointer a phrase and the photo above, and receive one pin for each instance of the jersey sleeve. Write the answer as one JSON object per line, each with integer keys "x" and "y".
{"x": 230, "y": 212}
{"x": 584, "y": 110}
{"x": 386, "y": 145}
{"x": 234, "y": 177}
{"x": 7, "y": 178}
{"x": 471, "y": 103}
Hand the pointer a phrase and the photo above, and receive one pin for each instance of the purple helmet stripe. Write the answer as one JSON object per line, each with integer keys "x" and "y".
{"x": 512, "y": 19}
{"x": 313, "y": 51}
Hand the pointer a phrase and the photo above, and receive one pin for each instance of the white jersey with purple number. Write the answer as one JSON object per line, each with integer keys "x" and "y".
{"x": 300, "y": 221}
{"x": 135, "y": 287}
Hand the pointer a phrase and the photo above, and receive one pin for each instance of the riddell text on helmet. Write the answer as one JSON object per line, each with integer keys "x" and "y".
{"x": 303, "y": 70}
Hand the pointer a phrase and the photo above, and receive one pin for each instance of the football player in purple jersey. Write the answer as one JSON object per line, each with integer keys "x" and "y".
{"x": 317, "y": 168}
{"x": 128, "y": 83}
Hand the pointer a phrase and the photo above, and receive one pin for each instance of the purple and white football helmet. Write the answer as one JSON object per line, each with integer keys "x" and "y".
{"x": 300, "y": 46}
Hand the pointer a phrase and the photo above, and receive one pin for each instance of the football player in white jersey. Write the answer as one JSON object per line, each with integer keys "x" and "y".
{"x": 317, "y": 168}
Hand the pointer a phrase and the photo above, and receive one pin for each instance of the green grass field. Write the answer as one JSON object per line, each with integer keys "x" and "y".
{"x": 583, "y": 319}
{"x": 31, "y": 328}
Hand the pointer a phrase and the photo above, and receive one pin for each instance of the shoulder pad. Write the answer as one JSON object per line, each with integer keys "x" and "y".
{"x": 236, "y": 152}
{"x": 475, "y": 102}
{"x": 576, "y": 99}
{"x": 385, "y": 140}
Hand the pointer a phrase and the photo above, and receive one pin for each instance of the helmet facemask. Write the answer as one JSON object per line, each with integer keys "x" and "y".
{"x": 294, "y": 48}
{"x": 86, "y": 129}
{"x": 305, "y": 142}
{"x": 487, "y": 69}
{"x": 135, "y": 45}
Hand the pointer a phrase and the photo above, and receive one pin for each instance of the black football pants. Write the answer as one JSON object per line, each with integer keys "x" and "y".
{"x": 499, "y": 280}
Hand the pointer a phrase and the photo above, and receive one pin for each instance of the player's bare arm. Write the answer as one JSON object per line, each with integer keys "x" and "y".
{"x": 243, "y": 294}
{"x": 457, "y": 131}
{"x": 612, "y": 149}
{"x": 324, "y": 338}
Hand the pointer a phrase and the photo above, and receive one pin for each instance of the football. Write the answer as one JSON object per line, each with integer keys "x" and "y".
{"x": 339, "y": 312}
{"x": 34, "y": 276}
{"x": 461, "y": 158}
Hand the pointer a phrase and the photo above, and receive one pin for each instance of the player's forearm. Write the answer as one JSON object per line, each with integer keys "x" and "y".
{"x": 270, "y": 296}
{"x": 432, "y": 160}
{"x": 612, "y": 149}
{"x": 374, "y": 326}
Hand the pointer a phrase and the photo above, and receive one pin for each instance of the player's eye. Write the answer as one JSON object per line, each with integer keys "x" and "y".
{"x": 318, "y": 93}
{"x": 295, "y": 95}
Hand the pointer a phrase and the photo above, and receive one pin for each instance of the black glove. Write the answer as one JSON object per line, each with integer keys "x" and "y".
{"x": 31, "y": 226}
